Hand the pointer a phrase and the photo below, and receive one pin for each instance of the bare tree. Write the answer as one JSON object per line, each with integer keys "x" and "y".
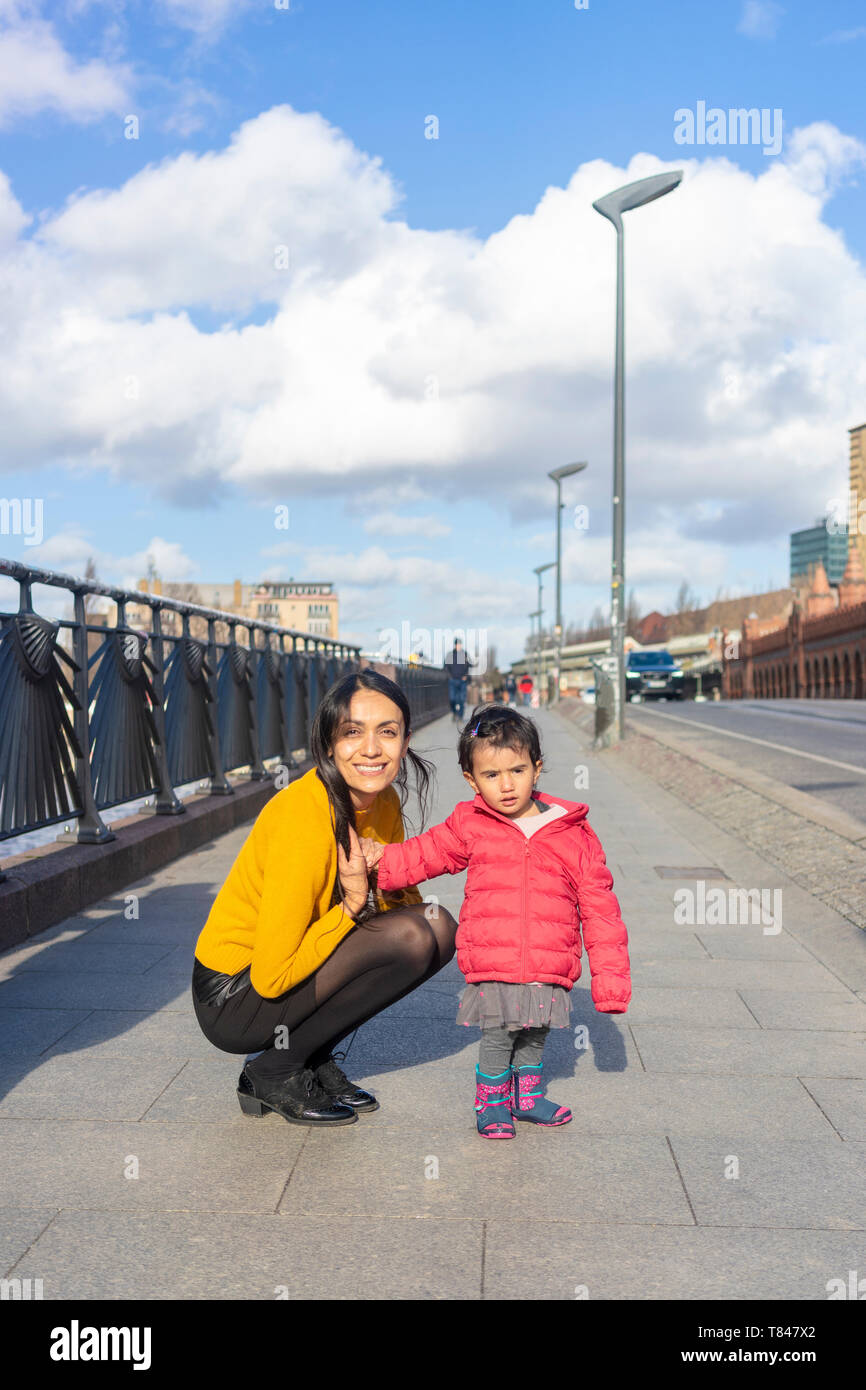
{"x": 632, "y": 615}
{"x": 687, "y": 600}
{"x": 172, "y": 622}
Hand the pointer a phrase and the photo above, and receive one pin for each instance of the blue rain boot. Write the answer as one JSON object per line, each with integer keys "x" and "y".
{"x": 528, "y": 1101}
{"x": 492, "y": 1105}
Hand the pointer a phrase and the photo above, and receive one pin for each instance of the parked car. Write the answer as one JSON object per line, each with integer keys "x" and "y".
{"x": 653, "y": 676}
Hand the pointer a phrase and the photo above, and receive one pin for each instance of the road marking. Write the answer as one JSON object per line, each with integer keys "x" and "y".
{"x": 764, "y": 742}
{"x": 850, "y": 722}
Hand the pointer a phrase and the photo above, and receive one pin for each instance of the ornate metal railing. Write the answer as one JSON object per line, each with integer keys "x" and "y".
{"x": 128, "y": 713}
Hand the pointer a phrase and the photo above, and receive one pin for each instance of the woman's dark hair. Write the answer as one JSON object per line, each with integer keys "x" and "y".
{"x": 333, "y": 709}
{"x": 501, "y": 728}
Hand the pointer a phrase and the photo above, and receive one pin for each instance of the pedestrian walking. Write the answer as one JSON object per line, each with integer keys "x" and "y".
{"x": 296, "y": 953}
{"x": 511, "y": 689}
{"x": 537, "y": 876}
{"x": 525, "y": 686}
{"x": 458, "y": 668}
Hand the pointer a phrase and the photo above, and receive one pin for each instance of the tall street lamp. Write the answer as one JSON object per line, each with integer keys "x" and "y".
{"x": 539, "y": 571}
{"x": 612, "y": 206}
{"x": 557, "y": 474}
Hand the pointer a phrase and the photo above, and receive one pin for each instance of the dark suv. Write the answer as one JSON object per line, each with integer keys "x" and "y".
{"x": 653, "y": 676}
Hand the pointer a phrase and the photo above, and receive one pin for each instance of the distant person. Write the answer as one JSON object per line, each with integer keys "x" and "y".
{"x": 519, "y": 949}
{"x": 525, "y": 685}
{"x": 458, "y": 668}
{"x": 511, "y": 689}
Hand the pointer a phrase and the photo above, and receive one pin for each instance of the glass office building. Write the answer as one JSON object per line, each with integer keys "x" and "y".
{"x": 825, "y": 542}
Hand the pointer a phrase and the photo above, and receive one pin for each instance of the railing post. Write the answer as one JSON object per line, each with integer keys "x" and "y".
{"x": 287, "y": 676}
{"x": 219, "y": 783}
{"x": 258, "y": 771}
{"x": 167, "y": 804}
{"x": 92, "y": 830}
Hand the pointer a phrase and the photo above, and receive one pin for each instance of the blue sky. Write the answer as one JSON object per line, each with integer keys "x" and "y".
{"x": 742, "y": 372}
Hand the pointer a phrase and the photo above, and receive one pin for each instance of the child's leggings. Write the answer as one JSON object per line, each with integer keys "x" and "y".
{"x": 504, "y": 1047}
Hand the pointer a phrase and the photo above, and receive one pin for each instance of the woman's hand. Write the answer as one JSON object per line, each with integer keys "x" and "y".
{"x": 353, "y": 874}
{"x": 372, "y": 852}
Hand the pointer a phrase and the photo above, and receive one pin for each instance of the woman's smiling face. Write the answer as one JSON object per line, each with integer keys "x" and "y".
{"x": 369, "y": 744}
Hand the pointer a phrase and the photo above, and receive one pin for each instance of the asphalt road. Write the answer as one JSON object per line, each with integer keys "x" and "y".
{"x": 817, "y": 746}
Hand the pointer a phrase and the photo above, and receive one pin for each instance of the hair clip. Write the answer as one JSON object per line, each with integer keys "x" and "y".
{"x": 474, "y": 731}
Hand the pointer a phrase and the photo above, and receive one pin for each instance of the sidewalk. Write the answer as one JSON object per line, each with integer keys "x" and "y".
{"x": 128, "y": 1171}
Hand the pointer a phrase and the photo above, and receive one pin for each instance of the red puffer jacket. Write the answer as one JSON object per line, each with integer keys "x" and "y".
{"x": 526, "y": 899}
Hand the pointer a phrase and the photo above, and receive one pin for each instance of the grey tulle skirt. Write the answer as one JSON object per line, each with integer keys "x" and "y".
{"x": 498, "y": 1004}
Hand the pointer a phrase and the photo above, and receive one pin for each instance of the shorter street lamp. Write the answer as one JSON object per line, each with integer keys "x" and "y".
{"x": 536, "y": 614}
{"x": 557, "y": 474}
{"x": 539, "y": 571}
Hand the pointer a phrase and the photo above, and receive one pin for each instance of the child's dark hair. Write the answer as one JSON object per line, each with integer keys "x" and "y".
{"x": 503, "y": 728}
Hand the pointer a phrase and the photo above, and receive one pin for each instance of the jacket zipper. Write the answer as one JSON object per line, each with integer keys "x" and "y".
{"x": 525, "y": 924}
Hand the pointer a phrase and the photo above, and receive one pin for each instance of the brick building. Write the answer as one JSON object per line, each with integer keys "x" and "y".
{"x": 819, "y": 652}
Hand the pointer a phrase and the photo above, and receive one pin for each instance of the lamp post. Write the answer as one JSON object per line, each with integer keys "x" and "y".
{"x": 539, "y": 571}
{"x": 557, "y": 474}
{"x": 612, "y": 206}
{"x": 536, "y": 614}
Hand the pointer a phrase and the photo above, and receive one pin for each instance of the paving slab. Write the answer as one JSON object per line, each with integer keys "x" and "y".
{"x": 87, "y": 1165}
{"x": 596, "y": 1261}
{"x": 842, "y": 1101}
{"x": 28, "y": 1032}
{"x": 123, "y": 958}
{"x": 740, "y": 973}
{"x": 660, "y": 944}
{"x": 811, "y": 1184}
{"x": 85, "y": 989}
{"x": 71, "y": 1087}
{"x": 538, "y": 1175}
{"x": 810, "y": 1010}
{"x": 761, "y": 1052}
{"x": 128, "y": 1033}
{"x": 748, "y": 943}
{"x": 19, "y": 1228}
{"x": 87, "y": 1255}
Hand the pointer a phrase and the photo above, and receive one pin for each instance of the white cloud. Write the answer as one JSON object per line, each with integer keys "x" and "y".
{"x": 760, "y": 19}
{"x": 38, "y": 74}
{"x": 68, "y": 551}
{"x": 392, "y": 524}
{"x": 402, "y": 366}
{"x": 206, "y": 18}
{"x": 846, "y": 35}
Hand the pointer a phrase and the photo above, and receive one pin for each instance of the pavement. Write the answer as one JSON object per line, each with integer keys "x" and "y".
{"x": 718, "y": 1147}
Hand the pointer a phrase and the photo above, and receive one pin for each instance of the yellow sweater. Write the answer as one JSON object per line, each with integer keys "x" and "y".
{"x": 272, "y": 911}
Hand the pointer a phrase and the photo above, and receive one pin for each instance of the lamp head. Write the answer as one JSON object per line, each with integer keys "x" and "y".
{"x": 634, "y": 195}
{"x": 566, "y": 471}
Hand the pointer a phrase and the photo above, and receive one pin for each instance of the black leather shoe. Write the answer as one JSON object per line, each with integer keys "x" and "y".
{"x": 297, "y": 1098}
{"x": 336, "y": 1084}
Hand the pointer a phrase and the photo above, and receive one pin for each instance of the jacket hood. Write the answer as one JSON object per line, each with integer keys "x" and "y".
{"x": 576, "y": 810}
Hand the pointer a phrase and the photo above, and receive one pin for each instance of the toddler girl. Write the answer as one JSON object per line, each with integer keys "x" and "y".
{"x": 537, "y": 874}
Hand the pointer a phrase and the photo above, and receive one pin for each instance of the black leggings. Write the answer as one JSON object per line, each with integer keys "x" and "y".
{"x": 377, "y": 963}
